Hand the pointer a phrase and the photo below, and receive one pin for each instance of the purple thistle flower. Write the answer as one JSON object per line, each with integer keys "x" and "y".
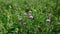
{"x": 31, "y": 16}
{"x": 48, "y": 20}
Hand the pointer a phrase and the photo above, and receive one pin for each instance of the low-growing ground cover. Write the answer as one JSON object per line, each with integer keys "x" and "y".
{"x": 29, "y": 16}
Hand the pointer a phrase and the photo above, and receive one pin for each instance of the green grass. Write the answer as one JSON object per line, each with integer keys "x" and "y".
{"x": 12, "y": 10}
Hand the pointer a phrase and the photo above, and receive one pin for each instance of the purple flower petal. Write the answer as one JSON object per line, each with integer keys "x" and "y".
{"x": 48, "y": 20}
{"x": 31, "y": 17}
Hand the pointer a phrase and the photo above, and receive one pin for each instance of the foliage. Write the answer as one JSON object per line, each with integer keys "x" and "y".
{"x": 12, "y": 10}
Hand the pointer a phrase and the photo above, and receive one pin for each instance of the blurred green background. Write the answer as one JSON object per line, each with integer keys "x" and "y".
{"x": 11, "y": 11}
